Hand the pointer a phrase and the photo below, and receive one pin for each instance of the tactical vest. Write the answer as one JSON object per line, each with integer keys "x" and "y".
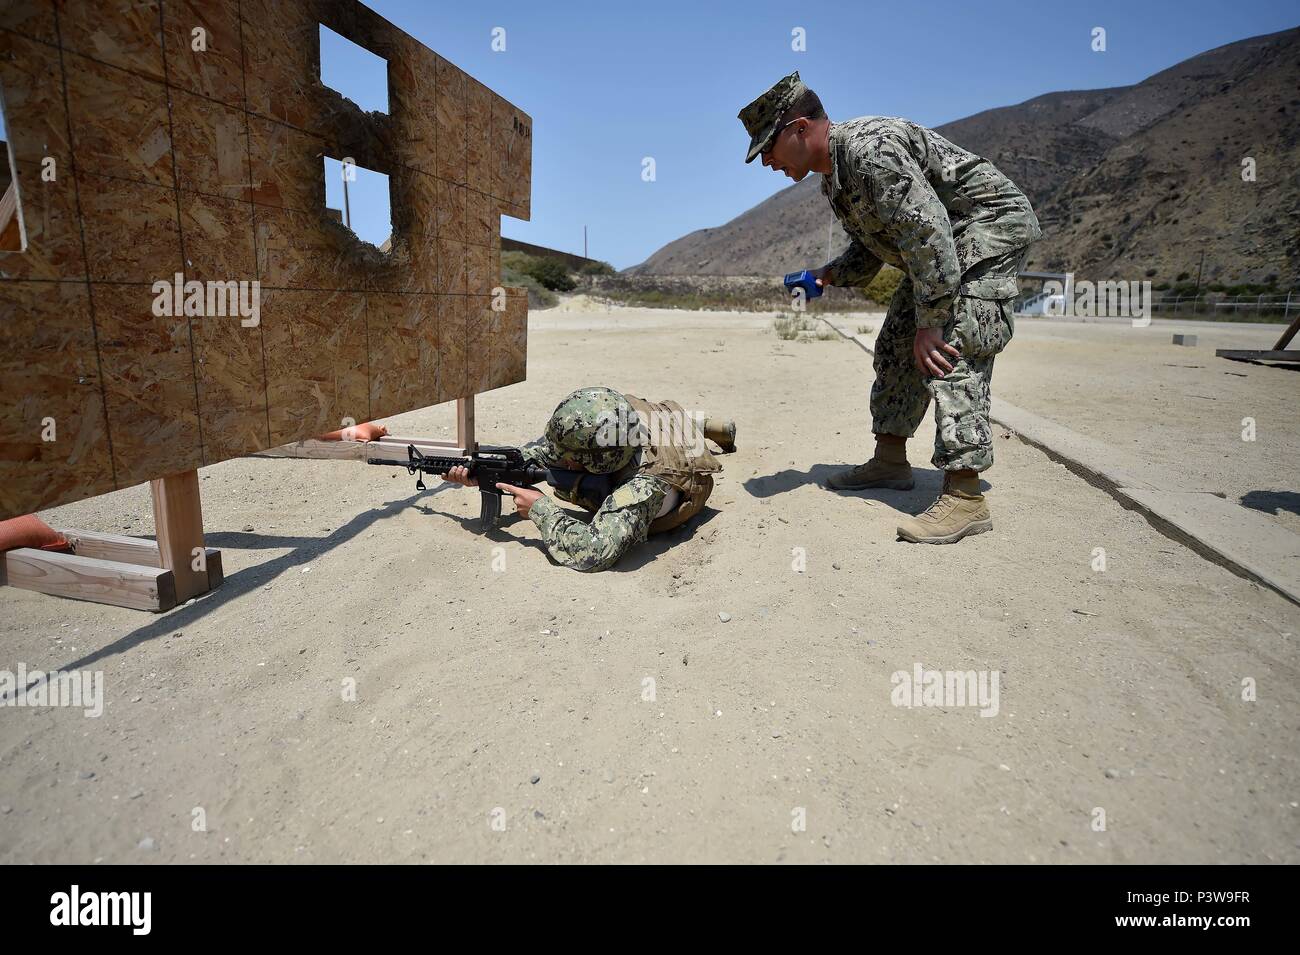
{"x": 673, "y": 449}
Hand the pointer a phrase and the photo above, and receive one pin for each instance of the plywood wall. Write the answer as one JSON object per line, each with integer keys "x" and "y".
{"x": 209, "y": 163}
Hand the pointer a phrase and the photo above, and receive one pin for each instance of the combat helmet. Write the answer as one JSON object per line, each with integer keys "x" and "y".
{"x": 594, "y": 427}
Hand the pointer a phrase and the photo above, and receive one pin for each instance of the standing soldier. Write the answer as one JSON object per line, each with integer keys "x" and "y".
{"x": 657, "y": 470}
{"x": 959, "y": 230}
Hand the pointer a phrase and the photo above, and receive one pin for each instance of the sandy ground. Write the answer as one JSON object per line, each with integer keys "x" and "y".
{"x": 518, "y": 691}
{"x": 1179, "y": 407}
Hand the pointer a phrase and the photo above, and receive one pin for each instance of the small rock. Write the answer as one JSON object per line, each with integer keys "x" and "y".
{"x": 248, "y": 528}
{"x": 136, "y": 794}
{"x": 724, "y": 616}
{"x": 1112, "y": 774}
{"x": 537, "y": 814}
{"x": 5, "y": 810}
{"x": 835, "y": 566}
{"x": 147, "y": 844}
{"x": 86, "y": 774}
{"x": 534, "y": 779}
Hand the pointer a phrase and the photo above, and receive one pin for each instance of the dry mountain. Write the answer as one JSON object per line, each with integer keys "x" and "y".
{"x": 1129, "y": 183}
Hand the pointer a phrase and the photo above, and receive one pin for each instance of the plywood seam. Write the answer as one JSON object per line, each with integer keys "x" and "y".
{"x": 85, "y": 254}
{"x": 180, "y": 226}
{"x": 248, "y": 144}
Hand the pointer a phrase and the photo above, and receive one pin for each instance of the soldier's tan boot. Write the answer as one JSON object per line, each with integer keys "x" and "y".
{"x": 960, "y": 511}
{"x": 888, "y": 468}
{"x": 722, "y": 432}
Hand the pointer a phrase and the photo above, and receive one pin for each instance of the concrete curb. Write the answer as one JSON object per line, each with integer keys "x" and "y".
{"x": 1241, "y": 540}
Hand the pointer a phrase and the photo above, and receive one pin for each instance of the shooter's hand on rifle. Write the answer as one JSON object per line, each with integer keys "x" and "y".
{"x": 460, "y": 475}
{"x": 525, "y": 497}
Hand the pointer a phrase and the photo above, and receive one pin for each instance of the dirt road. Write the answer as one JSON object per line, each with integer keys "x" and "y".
{"x": 526, "y": 712}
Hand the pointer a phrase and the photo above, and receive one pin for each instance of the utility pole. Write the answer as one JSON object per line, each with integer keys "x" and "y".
{"x": 347, "y": 208}
{"x": 584, "y": 242}
{"x": 1199, "y": 273}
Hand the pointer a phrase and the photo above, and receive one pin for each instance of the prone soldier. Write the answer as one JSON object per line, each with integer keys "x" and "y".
{"x": 656, "y": 455}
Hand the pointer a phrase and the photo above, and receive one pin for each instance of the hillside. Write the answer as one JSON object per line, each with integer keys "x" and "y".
{"x": 1129, "y": 182}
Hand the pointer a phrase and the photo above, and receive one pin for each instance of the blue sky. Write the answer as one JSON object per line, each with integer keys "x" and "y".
{"x": 609, "y": 83}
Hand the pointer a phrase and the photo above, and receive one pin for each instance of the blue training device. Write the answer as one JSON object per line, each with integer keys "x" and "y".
{"x": 804, "y": 280}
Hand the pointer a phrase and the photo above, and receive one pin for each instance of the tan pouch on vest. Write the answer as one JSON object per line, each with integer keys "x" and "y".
{"x": 677, "y": 455}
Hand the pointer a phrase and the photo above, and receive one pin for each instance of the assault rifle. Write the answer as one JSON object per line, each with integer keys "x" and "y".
{"x": 490, "y": 465}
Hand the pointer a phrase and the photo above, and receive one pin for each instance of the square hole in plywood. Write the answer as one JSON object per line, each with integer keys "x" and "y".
{"x": 359, "y": 198}
{"x": 353, "y": 71}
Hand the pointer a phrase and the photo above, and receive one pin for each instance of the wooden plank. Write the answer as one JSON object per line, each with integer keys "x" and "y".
{"x": 118, "y": 547}
{"x": 443, "y": 446}
{"x": 88, "y": 578}
{"x": 1236, "y": 354}
{"x": 465, "y": 423}
{"x": 133, "y": 550}
{"x": 389, "y": 448}
{"x": 313, "y": 449}
{"x": 178, "y": 524}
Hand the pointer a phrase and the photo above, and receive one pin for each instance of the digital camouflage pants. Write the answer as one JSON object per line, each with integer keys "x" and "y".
{"x": 980, "y": 328}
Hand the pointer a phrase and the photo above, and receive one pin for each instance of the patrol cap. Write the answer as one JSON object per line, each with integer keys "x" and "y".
{"x": 592, "y": 427}
{"x": 762, "y": 118}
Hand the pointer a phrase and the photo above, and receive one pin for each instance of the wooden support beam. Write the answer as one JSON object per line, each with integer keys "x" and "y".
{"x": 465, "y": 423}
{"x": 388, "y": 448}
{"x": 88, "y": 578}
{"x": 127, "y": 550}
{"x": 133, "y": 550}
{"x": 1239, "y": 354}
{"x": 178, "y": 524}
{"x": 1288, "y": 334}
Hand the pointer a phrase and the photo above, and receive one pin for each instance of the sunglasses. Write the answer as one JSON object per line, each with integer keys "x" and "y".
{"x": 783, "y": 128}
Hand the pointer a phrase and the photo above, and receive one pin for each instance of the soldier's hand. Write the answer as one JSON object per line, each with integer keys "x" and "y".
{"x": 525, "y": 497}
{"x": 460, "y": 475}
{"x": 928, "y": 350}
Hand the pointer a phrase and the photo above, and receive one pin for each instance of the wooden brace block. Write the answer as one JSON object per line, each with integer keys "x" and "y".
{"x": 178, "y": 524}
{"x": 88, "y": 578}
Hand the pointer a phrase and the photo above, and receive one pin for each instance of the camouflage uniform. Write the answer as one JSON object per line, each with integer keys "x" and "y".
{"x": 959, "y": 230}
{"x": 629, "y": 514}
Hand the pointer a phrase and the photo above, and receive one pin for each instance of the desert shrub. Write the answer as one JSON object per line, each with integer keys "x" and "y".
{"x": 596, "y": 268}
{"x": 788, "y": 327}
{"x": 550, "y": 273}
{"x": 539, "y": 296}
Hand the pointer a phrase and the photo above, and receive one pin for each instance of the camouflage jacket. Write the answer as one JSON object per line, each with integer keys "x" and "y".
{"x": 909, "y": 198}
{"x": 621, "y": 521}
